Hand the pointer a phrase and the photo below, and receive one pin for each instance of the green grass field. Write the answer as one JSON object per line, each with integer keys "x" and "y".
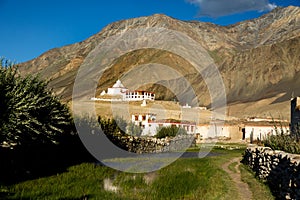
{"x": 186, "y": 178}
{"x": 259, "y": 188}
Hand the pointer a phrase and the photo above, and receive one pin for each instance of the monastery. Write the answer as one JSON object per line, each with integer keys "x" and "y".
{"x": 118, "y": 92}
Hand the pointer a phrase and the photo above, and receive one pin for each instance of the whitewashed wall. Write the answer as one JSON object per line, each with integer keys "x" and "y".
{"x": 259, "y": 132}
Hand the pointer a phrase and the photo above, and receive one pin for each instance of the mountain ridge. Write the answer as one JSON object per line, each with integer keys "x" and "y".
{"x": 255, "y": 57}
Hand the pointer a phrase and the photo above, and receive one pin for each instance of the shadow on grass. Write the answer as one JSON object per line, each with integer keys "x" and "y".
{"x": 40, "y": 160}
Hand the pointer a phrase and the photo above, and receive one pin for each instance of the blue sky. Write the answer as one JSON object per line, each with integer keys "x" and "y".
{"x": 31, "y": 27}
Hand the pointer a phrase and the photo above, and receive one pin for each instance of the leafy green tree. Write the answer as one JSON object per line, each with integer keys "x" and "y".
{"x": 29, "y": 112}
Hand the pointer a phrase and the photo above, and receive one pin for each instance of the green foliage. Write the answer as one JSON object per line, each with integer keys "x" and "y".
{"x": 129, "y": 181}
{"x": 134, "y": 130}
{"x": 259, "y": 189}
{"x": 122, "y": 124}
{"x": 114, "y": 130}
{"x": 29, "y": 113}
{"x": 170, "y": 131}
{"x": 175, "y": 185}
{"x": 112, "y": 126}
{"x": 83, "y": 181}
{"x": 231, "y": 167}
{"x": 188, "y": 178}
{"x": 283, "y": 141}
{"x": 119, "y": 126}
{"x": 26, "y": 162}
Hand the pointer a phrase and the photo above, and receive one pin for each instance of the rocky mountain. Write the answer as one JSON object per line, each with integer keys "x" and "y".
{"x": 259, "y": 61}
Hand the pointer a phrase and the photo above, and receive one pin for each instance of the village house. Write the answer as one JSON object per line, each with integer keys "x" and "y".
{"x": 259, "y": 131}
{"x": 249, "y": 130}
{"x": 150, "y": 125}
{"x": 217, "y": 129}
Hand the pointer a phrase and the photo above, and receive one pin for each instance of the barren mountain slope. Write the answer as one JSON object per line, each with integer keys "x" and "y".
{"x": 258, "y": 59}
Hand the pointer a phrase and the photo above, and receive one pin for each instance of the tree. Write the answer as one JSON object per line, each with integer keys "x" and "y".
{"x": 29, "y": 112}
{"x": 134, "y": 130}
{"x": 170, "y": 131}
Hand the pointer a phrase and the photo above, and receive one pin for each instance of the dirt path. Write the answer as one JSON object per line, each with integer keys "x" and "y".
{"x": 243, "y": 188}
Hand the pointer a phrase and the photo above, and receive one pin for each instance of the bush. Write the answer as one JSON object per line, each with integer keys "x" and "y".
{"x": 170, "y": 131}
{"x": 134, "y": 130}
{"x": 112, "y": 126}
{"x": 36, "y": 126}
{"x": 283, "y": 141}
{"x": 29, "y": 113}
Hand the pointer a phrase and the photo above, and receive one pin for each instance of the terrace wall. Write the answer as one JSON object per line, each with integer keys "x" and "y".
{"x": 153, "y": 145}
{"x": 279, "y": 169}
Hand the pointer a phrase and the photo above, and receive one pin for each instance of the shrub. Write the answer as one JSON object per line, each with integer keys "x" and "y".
{"x": 29, "y": 113}
{"x": 283, "y": 141}
{"x": 170, "y": 131}
{"x": 133, "y": 129}
{"x": 114, "y": 130}
{"x": 112, "y": 126}
{"x": 37, "y": 126}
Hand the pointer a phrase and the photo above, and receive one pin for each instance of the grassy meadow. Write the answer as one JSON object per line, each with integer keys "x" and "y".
{"x": 186, "y": 178}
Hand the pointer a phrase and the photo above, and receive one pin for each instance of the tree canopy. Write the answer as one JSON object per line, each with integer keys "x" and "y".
{"x": 29, "y": 112}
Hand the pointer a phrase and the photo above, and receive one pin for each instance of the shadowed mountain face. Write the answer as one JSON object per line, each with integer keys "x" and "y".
{"x": 259, "y": 61}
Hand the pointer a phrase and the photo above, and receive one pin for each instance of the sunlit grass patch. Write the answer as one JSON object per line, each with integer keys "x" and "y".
{"x": 258, "y": 188}
{"x": 232, "y": 166}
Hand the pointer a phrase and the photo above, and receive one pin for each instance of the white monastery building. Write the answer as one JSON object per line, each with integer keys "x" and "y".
{"x": 118, "y": 92}
{"x": 117, "y": 89}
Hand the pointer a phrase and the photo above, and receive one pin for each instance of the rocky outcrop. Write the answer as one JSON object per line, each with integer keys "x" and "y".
{"x": 280, "y": 170}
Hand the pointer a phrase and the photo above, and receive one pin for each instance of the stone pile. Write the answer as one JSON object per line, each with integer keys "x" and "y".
{"x": 280, "y": 170}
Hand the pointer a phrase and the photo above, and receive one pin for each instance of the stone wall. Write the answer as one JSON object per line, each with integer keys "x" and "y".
{"x": 152, "y": 144}
{"x": 280, "y": 170}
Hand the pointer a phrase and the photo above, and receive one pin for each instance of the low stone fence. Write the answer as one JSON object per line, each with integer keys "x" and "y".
{"x": 280, "y": 170}
{"x": 151, "y": 144}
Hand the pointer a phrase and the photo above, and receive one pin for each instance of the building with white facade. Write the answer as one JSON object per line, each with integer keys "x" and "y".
{"x": 118, "y": 92}
{"x": 240, "y": 131}
{"x": 150, "y": 125}
{"x": 139, "y": 95}
{"x": 249, "y": 130}
{"x": 259, "y": 131}
{"x": 117, "y": 89}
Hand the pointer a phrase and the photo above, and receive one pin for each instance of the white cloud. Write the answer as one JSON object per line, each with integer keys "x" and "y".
{"x": 271, "y": 6}
{"x": 217, "y": 8}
